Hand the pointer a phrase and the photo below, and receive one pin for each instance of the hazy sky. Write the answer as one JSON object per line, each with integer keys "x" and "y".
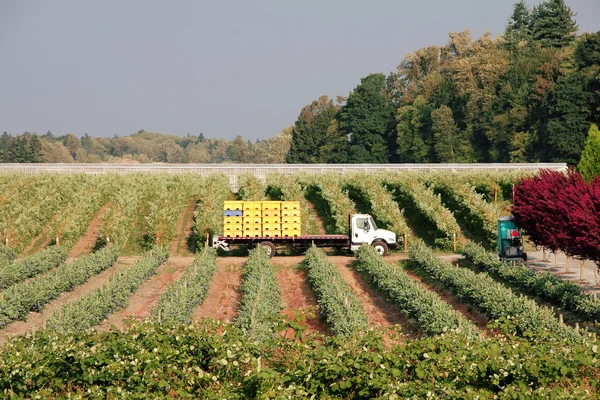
{"x": 224, "y": 68}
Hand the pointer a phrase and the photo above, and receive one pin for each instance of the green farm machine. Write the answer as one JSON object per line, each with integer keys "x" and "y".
{"x": 510, "y": 240}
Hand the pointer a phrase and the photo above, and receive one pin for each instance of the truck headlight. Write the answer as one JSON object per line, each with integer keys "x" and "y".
{"x": 392, "y": 240}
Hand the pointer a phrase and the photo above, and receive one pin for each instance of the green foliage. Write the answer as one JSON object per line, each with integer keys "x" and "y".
{"x": 518, "y": 28}
{"x": 451, "y": 145}
{"x": 208, "y": 217}
{"x": 261, "y": 304}
{"x": 178, "y": 302}
{"x": 414, "y": 141}
{"x": 7, "y": 255}
{"x": 211, "y": 360}
{"x": 495, "y": 300}
{"x": 92, "y": 308}
{"x": 341, "y": 308}
{"x": 552, "y": 24}
{"x": 589, "y": 165}
{"x": 562, "y": 293}
{"x": 18, "y": 300}
{"x": 365, "y": 119}
{"x": 433, "y": 316}
{"x": 250, "y": 188}
{"x": 32, "y": 265}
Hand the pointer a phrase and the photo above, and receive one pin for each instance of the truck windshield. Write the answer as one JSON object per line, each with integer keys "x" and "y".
{"x": 373, "y": 224}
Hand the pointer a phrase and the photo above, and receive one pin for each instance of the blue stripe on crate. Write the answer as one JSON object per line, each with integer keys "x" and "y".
{"x": 232, "y": 213}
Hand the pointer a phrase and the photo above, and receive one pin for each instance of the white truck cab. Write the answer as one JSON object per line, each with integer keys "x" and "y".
{"x": 364, "y": 230}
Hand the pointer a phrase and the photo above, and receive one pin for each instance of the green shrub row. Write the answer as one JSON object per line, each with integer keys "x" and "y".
{"x": 261, "y": 304}
{"x": 22, "y": 298}
{"x": 341, "y": 308}
{"x": 560, "y": 292}
{"x": 178, "y": 302}
{"x": 29, "y": 266}
{"x": 91, "y": 309}
{"x": 7, "y": 255}
{"x": 494, "y": 299}
{"x": 433, "y": 315}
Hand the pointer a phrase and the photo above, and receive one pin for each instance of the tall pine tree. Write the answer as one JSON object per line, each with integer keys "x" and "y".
{"x": 589, "y": 165}
{"x": 519, "y": 25}
{"x": 552, "y": 24}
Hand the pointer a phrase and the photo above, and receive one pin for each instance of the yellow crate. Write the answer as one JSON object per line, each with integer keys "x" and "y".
{"x": 252, "y": 213}
{"x": 232, "y": 205}
{"x": 271, "y": 232}
{"x": 271, "y": 213}
{"x": 290, "y": 213}
{"x": 290, "y": 220}
{"x": 269, "y": 227}
{"x": 232, "y": 220}
{"x": 233, "y": 228}
{"x": 252, "y": 220}
{"x": 290, "y": 232}
{"x": 252, "y": 230}
{"x": 271, "y": 220}
{"x": 270, "y": 205}
{"x": 290, "y": 205}
{"x": 290, "y": 227}
{"x": 248, "y": 205}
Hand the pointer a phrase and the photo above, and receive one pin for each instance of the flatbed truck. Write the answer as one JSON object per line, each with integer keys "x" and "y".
{"x": 361, "y": 229}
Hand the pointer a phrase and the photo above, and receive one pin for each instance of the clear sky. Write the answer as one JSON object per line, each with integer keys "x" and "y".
{"x": 224, "y": 68}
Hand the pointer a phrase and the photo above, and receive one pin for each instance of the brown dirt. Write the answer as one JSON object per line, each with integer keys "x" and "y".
{"x": 224, "y": 293}
{"x": 146, "y": 297}
{"x": 86, "y": 243}
{"x": 184, "y": 230}
{"x": 467, "y": 310}
{"x": 37, "y": 320}
{"x": 380, "y": 312}
{"x": 317, "y": 218}
{"x": 42, "y": 236}
{"x": 299, "y": 299}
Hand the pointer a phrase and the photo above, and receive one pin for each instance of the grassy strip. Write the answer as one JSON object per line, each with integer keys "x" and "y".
{"x": 94, "y": 307}
{"x": 181, "y": 298}
{"x": 260, "y": 306}
{"x": 433, "y": 315}
{"x": 341, "y": 308}
{"x": 32, "y": 265}
{"x": 250, "y": 188}
{"x": 515, "y": 313}
{"x": 563, "y": 293}
{"x": 18, "y": 300}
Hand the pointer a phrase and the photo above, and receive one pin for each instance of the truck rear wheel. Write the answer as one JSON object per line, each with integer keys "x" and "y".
{"x": 381, "y": 248}
{"x": 269, "y": 247}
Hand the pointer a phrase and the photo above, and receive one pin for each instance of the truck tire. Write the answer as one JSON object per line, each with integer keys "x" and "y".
{"x": 381, "y": 248}
{"x": 524, "y": 256}
{"x": 269, "y": 248}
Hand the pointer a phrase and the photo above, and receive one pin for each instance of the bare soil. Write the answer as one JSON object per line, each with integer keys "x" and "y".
{"x": 184, "y": 230}
{"x": 299, "y": 300}
{"x": 86, "y": 243}
{"x": 37, "y": 320}
{"x": 224, "y": 294}
{"x": 148, "y": 294}
{"x": 467, "y": 310}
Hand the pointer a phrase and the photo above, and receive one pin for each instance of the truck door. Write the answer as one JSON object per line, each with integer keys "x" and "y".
{"x": 362, "y": 231}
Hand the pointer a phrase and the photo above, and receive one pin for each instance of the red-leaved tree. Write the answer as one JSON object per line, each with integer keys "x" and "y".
{"x": 560, "y": 212}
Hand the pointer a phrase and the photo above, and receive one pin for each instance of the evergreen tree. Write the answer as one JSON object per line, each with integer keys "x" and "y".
{"x": 567, "y": 126}
{"x": 414, "y": 137}
{"x": 552, "y": 24}
{"x": 589, "y": 165}
{"x": 451, "y": 145}
{"x": 366, "y": 119}
{"x": 587, "y": 58}
{"x": 518, "y": 28}
{"x": 310, "y": 132}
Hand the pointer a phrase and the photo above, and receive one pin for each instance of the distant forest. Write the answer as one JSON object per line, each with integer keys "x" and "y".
{"x": 529, "y": 95}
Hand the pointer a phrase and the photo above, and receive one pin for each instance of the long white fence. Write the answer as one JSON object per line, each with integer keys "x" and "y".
{"x": 262, "y": 170}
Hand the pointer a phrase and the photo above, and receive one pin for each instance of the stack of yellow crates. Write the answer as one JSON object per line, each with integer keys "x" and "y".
{"x": 261, "y": 219}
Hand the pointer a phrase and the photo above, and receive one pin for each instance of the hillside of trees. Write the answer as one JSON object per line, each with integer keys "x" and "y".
{"x": 529, "y": 95}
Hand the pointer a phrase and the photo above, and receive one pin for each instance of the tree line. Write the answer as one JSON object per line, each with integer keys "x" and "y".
{"x": 528, "y": 95}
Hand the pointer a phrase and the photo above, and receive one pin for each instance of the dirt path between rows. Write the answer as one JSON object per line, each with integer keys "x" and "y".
{"x": 469, "y": 311}
{"x": 380, "y": 312}
{"x": 224, "y": 294}
{"x": 32, "y": 245}
{"x": 298, "y": 299}
{"x": 185, "y": 223}
{"x": 317, "y": 218}
{"x": 146, "y": 297}
{"x": 86, "y": 243}
{"x": 37, "y": 320}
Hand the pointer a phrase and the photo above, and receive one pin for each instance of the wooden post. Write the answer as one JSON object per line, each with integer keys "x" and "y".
{"x": 57, "y": 241}
{"x": 555, "y": 258}
{"x": 107, "y": 239}
{"x": 6, "y": 242}
{"x": 513, "y": 192}
{"x": 495, "y": 194}
{"x": 581, "y": 269}
{"x": 568, "y": 266}
{"x": 405, "y": 242}
{"x": 509, "y": 291}
{"x": 595, "y": 297}
{"x": 207, "y": 235}
{"x": 454, "y": 240}
{"x": 577, "y": 326}
{"x": 560, "y": 319}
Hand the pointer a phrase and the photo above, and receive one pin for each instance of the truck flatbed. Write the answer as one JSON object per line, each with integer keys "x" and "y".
{"x": 337, "y": 239}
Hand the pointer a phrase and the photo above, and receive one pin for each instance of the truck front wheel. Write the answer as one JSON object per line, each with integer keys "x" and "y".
{"x": 269, "y": 248}
{"x": 381, "y": 248}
